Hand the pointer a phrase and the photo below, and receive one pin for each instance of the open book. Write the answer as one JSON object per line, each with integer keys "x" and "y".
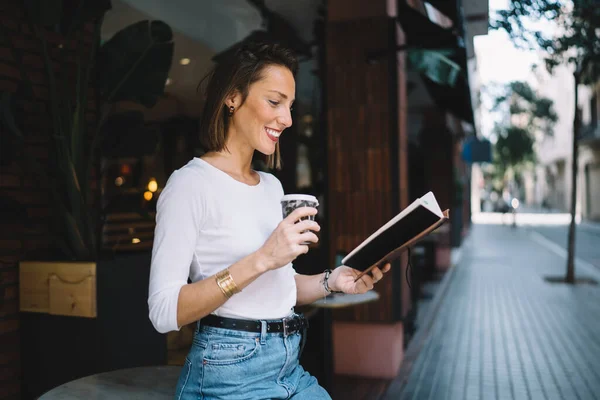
{"x": 412, "y": 224}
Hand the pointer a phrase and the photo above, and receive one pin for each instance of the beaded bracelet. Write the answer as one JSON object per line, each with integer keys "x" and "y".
{"x": 326, "y": 283}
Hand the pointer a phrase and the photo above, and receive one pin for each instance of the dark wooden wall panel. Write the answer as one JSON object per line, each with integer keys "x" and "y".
{"x": 360, "y": 145}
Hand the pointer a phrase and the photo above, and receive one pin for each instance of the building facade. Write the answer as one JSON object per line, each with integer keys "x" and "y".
{"x": 385, "y": 98}
{"x": 551, "y": 184}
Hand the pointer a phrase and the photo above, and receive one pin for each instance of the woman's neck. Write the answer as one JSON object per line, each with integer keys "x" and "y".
{"x": 235, "y": 159}
{"x": 231, "y": 161}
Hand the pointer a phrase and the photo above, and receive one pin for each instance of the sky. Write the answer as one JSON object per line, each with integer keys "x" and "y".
{"x": 499, "y": 61}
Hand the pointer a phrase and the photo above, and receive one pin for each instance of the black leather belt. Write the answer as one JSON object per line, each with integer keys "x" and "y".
{"x": 288, "y": 325}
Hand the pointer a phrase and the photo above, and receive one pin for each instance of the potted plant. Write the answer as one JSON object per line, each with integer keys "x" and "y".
{"x": 133, "y": 65}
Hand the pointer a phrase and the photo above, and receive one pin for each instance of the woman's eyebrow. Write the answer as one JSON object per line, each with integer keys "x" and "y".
{"x": 279, "y": 93}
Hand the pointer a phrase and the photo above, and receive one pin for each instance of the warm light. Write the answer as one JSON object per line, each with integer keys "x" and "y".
{"x": 119, "y": 181}
{"x": 147, "y": 196}
{"x": 135, "y": 240}
{"x": 184, "y": 61}
{"x": 168, "y": 81}
{"x": 152, "y": 185}
{"x": 125, "y": 169}
{"x": 307, "y": 119}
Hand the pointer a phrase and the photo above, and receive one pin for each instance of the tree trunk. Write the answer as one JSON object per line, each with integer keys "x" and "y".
{"x": 570, "y": 277}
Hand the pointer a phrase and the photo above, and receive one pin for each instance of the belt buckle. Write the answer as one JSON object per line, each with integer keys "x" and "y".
{"x": 286, "y": 331}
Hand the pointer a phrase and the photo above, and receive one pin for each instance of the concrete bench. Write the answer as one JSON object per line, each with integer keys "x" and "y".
{"x": 147, "y": 383}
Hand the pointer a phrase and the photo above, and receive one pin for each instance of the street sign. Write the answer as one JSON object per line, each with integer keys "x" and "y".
{"x": 477, "y": 150}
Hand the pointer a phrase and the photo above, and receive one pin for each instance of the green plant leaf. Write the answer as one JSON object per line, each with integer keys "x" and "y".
{"x": 6, "y": 114}
{"x": 87, "y": 166}
{"x": 135, "y": 63}
{"x": 70, "y": 183}
{"x": 75, "y": 237}
{"x": 87, "y": 10}
{"x": 125, "y": 135}
{"x": 56, "y": 103}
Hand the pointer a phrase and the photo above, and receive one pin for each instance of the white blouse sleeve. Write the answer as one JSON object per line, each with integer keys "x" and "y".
{"x": 179, "y": 213}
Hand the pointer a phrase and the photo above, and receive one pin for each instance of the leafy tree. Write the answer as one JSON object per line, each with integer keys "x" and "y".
{"x": 523, "y": 115}
{"x": 576, "y": 44}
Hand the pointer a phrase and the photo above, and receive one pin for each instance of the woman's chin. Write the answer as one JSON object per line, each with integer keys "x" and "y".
{"x": 267, "y": 150}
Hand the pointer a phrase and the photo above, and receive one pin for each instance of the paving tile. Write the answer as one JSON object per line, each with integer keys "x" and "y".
{"x": 503, "y": 332}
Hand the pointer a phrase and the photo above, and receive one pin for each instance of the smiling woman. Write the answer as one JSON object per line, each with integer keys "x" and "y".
{"x": 220, "y": 224}
{"x": 260, "y": 119}
{"x": 255, "y": 87}
{"x": 232, "y": 243}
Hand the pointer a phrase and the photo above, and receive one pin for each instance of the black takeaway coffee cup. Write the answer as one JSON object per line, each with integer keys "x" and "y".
{"x": 290, "y": 202}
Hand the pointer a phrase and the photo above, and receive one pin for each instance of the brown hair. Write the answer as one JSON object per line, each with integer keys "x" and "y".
{"x": 236, "y": 73}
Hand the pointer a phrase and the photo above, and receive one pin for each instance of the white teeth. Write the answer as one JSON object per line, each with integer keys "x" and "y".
{"x": 272, "y": 132}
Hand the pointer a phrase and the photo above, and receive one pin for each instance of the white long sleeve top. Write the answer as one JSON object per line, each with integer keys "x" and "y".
{"x": 206, "y": 221}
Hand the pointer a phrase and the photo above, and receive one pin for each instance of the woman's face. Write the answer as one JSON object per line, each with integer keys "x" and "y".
{"x": 267, "y": 110}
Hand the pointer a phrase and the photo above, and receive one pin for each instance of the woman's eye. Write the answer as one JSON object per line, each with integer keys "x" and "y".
{"x": 274, "y": 103}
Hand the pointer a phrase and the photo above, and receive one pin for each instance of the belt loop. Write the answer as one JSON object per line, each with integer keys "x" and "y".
{"x": 263, "y": 332}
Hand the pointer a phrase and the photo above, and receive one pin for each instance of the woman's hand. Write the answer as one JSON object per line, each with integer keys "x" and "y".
{"x": 342, "y": 279}
{"x": 285, "y": 243}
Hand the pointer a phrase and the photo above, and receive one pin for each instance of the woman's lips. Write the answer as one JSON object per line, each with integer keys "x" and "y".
{"x": 273, "y": 134}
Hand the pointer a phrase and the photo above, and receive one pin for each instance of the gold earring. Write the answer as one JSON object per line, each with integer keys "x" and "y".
{"x": 231, "y": 109}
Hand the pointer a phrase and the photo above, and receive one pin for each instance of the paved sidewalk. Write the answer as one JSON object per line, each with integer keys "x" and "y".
{"x": 587, "y": 240}
{"x": 503, "y": 332}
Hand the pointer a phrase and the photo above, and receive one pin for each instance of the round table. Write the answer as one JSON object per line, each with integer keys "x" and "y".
{"x": 147, "y": 383}
{"x": 340, "y": 300}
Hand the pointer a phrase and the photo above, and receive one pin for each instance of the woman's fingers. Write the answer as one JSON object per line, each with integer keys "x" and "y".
{"x": 377, "y": 273}
{"x": 306, "y": 226}
{"x": 366, "y": 281}
{"x": 307, "y": 237}
{"x": 299, "y": 213}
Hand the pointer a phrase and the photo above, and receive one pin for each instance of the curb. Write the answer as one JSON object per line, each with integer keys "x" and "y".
{"x": 591, "y": 227}
{"x": 417, "y": 342}
{"x": 560, "y": 251}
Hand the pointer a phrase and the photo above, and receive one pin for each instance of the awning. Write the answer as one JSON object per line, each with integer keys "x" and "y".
{"x": 436, "y": 65}
{"x": 439, "y": 55}
{"x": 446, "y": 80}
{"x": 424, "y": 33}
{"x": 446, "y": 7}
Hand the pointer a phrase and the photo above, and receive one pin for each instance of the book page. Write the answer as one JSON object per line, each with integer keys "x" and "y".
{"x": 429, "y": 202}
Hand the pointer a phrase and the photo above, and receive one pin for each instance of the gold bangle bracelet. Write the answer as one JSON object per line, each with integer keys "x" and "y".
{"x": 220, "y": 278}
{"x": 226, "y": 283}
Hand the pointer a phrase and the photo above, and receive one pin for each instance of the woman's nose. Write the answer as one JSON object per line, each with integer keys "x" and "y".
{"x": 285, "y": 118}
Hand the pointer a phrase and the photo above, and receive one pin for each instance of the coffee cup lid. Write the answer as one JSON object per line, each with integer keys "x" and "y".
{"x": 306, "y": 197}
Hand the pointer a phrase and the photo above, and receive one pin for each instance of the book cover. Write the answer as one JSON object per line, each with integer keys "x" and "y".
{"x": 412, "y": 224}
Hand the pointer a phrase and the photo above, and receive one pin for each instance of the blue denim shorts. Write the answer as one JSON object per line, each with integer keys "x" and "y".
{"x": 239, "y": 365}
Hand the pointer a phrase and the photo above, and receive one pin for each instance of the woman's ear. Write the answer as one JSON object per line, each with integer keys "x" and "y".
{"x": 234, "y": 99}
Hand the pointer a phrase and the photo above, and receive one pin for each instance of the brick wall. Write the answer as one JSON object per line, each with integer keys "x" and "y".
{"x": 24, "y": 202}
